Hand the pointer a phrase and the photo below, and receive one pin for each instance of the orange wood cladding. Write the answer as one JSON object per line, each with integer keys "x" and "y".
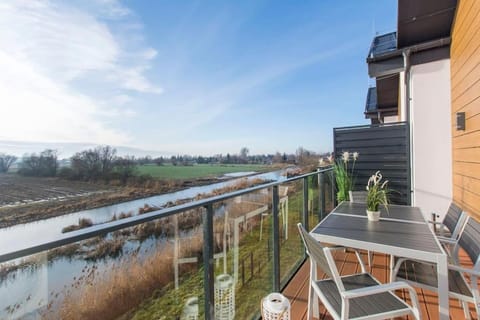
{"x": 465, "y": 82}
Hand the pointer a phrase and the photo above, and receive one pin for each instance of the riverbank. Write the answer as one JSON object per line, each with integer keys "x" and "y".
{"x": 28, "y": 212}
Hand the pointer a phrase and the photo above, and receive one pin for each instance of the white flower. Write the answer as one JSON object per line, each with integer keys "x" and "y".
{"x": 345, "y": 156}
{"x": 355, "y": 156}
{"x": 330, "y": 158}
{"x": 370, "y": 179}
{"x": 384, "y": 184}
{"x": 320, "y": 162}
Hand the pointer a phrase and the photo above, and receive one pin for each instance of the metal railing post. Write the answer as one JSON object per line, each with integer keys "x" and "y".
{"x": 208, "y": 274}
{"x": 332, "y": 182}
{"x": 321, "y": 191}
{"x": 305, "y": 203}
{"x": 276, "y": 240}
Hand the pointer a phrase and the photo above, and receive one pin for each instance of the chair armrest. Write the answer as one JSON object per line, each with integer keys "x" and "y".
{"x": 357, "y": 254}
{"x": 336, "y": 248}
{"x": 355, "y": 293}
{"x": 472, "y": 272}
{"x": 442, "y": 228}
{"x": 447, "y": 240}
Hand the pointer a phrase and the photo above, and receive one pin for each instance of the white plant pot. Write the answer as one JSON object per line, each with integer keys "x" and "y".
{"x": 373, "y": 215}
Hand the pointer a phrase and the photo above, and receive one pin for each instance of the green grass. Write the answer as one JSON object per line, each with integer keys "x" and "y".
{"x": 170, "y": 303}
{"x": 169, "y": 171}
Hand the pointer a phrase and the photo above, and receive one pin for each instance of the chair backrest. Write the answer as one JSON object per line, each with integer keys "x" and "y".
{"x": 315, "y": 251}
{"x": 358, "y": 196}
{"x": 470, "y": 240}
{"x": 452, "y": 218}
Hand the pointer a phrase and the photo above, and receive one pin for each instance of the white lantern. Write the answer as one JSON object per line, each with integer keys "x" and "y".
{"x": 275, "y": 307}
{"x": 224, "y": 297}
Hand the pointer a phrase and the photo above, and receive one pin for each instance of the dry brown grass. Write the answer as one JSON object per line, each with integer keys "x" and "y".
{"x": 241, "y": 184}
{"x": 82, "y": 223}
{"x": 124, "y": 287}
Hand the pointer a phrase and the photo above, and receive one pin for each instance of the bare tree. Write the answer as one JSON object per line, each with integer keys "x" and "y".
{"x": 43, "y": 165}
{"x": 107, "y": 156}
{"x": 94, "y": 164}
{"x": 125, "y": 168}
{"x": 6, "y": 161}
{"x": 244, "y": 154}
{"x": 277, "y": 158}
{"x": 86, "y": 165}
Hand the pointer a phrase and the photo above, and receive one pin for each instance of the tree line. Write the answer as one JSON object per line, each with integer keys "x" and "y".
{"x": 100, "y": 163}
{"x": 103, "y": 163}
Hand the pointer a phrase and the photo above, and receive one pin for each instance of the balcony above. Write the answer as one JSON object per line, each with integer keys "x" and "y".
{"x": 382, "y": 44}
{"x": 423, "y": 31}
{"x": 382, "y": 101}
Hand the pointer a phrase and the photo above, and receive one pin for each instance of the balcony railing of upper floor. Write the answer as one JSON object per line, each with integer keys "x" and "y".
{"x": 206, "y": 259}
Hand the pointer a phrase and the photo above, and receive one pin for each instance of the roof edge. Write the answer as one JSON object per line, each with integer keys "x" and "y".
{"x": 441, "y": 42}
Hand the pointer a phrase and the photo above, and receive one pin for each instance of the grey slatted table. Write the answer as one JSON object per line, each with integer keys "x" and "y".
{"x": 403, "y": 232}
{"x": 394, "y": 212}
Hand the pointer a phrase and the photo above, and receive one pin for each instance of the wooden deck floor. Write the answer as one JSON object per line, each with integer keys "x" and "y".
{"x": 297, "y": 289}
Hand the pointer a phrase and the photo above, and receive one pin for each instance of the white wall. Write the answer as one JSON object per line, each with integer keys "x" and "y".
{"x": 431, "y": 132}
{"x": 401, "y": 98}
{"x": 390, "y": 119}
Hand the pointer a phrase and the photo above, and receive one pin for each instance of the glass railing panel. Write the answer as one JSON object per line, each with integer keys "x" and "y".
{"x": 330, "y": 194}
{"x": 290, "y": 213}
{"x": 148, "y": 271}
{"x": 314, "y": 201}
{"x": 24, "y": 287}
{"x": 180, "y": 255}
{"x": 243, "y": 255}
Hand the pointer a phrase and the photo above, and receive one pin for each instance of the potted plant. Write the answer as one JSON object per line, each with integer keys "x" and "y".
{"x": 343, "y": 176}
{"x": 377, "y": 194}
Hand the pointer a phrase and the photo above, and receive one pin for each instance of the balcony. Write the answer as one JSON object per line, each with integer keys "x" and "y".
{"x": 154, "y": 265}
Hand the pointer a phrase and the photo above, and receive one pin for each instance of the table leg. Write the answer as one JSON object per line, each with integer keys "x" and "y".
{"x": 442, "y": 272}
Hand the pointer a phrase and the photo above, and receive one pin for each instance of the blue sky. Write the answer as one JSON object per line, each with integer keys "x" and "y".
{"x": 196, "y": 77}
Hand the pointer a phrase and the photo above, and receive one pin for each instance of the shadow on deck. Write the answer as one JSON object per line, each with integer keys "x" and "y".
{"x": 297, "y": 290}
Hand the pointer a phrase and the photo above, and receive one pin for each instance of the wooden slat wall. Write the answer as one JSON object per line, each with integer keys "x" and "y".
{"x": 381, "y": 147}
{"x": 465, "y": 82}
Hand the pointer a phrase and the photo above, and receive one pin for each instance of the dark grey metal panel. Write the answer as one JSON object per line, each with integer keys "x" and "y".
{"x": 381, "y": 147}
{"x": 394, "y": 212}
{"x": 430, "y": 55}
{"x": 386, "y": 67}
{"x": 414, "y": 236}
{"x": 470, "y": 239}
{"x": 453, "y": 216}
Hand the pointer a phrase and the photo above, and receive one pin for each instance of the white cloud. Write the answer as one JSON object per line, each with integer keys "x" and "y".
{"x": 35, "y": 108}
{"x": 45, "y": 47}
{"x": 112, "y": 9}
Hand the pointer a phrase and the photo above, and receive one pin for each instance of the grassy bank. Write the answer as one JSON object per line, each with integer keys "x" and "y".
{"x": 169, "y": 171}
